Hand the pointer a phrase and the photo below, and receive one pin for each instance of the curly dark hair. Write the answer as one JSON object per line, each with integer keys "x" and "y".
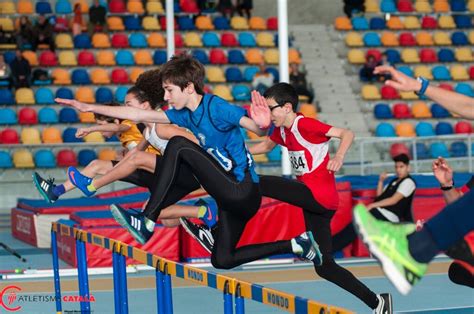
{"x": 148, "y": 88}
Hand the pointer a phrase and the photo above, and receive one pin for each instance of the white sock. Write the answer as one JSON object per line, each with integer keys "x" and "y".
{"x": 149, "y": 224}
{"x": 295, "y": 247}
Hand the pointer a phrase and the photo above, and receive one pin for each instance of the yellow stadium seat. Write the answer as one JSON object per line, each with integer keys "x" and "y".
{"x": 107, "y": 154}
{"x": 150, "y": 23}
{"x": 143, "y": 57}
{"x": 192, "y": 39}
{"x": 422, "y": 7}
{"x": 356, "y": 56}
{"x": 261, "y": 158}
{"x": 67, "y": 58}
{"x": 424, "y": 71}
{"x": 265, "y": 39}
{"x": 100, "y": 76}
{"x": 31, "y": 57}
{"x": 85, "y": 94}
{"x": 410, "y": 55}
{"x": 94, "y": 137}
{"x": 7, "y": 24}
{"x": 239, "y": 23}
{"x": 135, "y": 73}
{"x": 30, "y": 136}
{"x": 64, "y": 41}
{"x": 408, "y": 95}
{"x": 308, "y": 110}
{"x": 115, "y": 23}
{"x": 459, "y": 73}
{"x": 389, "y": 39}
{"x": 254, "y": 56}
{"x": 271, "y": 56}
{"x": 23, "y": 158}
{"x": 411, "y": 22}
{"x": 405, "y": 129}
{"x": 154, "y": 7}
{"x": 86, "y": 117}
{"x": 25, "y": 7}
{"x": 215, "y": 75}
{"x": 471, "y": 37}
{"x": 100, "y": 40}
{"x": 224, "y": 92}
{"x": 135, "y": 7}
{"x": 370, "y": 92}
{"x": 7, "y": 8}
{"x": 24, "y": 96}
{"x": 441, "y": 7}
{"x": 156, "y": 40}
{"x": 354, "y": 39}
{"x": 372, "y": 6}
{"x": 395, "y": 23}
{"x": 342, "y": 23}
{"x": 470, "y": 6}
{"x": 257, "y": 23}
{"x": 61, "y": 77}
{"x": 424, "y": 39}
{"x": 294, "y": 56}
{"x": 204, "y": 23}
{"x": 446, "y": 22}
{"x": 442, "y": 38}
{"x": 420, "y": 110}
{"x": 254, "y": 136}
{"x": 464, "y": 55}
{"x": 105, "y": 57}
{"x": 52, "y": 135}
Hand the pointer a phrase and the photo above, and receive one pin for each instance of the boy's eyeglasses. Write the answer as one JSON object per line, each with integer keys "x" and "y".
{"x": 274, "y": 107}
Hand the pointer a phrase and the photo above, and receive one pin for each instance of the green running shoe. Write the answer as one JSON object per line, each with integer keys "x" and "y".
{"x": 389, "y": 244}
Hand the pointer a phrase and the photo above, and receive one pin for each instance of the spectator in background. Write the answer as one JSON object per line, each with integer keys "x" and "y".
{"x": 6, "y": 37}
{"x": 77, "y": 21}
{"x": 298, "y": 81}
{"x": 382, "y": 77}
{"x": 5, "y": 71}
{"x": 97, "y": 15}
{"x": 366, "y": 74}
{"x": 21, "y": 70}
{"x": 25, "y": 35}
{"x": 262, "y": 80}
{"x": 227, "y": 8}
{"x": 245, "y": 6}
{"x": 44, "y": 33}
{"x": 353, "y": 7}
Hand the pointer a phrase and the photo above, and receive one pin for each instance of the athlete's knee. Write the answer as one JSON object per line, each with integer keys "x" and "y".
{"x": 178, "y": 141}
{"x": 326, "y": 270}
{"x": 221, "y": 261}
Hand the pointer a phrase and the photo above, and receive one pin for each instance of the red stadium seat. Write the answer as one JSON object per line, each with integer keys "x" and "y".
{"x": 48, "y": 58}
{"x": 375, "y": 53}
{"x": 229, "y": 40}
{"x": 189, "y": 6}
{"x": 272, "y": 23}
{"x": 463, "y": 127}
{"x": 163, "y": 23}
{"x": 429, "y": 22}
{"x": 399, "y": 148}
{"x": 86, "y": 58}
{"x": 388, "y": 92}
{"x": 117, "y": 6}
{"x": 66, "y": 158}
{"x": 407, "y": 39}
{"x": 405, "y": 6}
{"x": 471, "y": 72}
{"x": 9, "y": 136}
{"x": 446, "y": 86}
{"x": 401, "y": 111}
{"x": 119, "y": 76}
{"x": 178, "y": 40}
{"x": 217, "y": 56}
{"x": 27, "y": 116}
{"x": 61, "y": 25}
{"x": 428, "y": 55}
{"x": 119, "y": 40}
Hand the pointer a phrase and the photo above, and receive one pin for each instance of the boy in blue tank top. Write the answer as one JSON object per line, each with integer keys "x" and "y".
{"x": 221, "y": 164}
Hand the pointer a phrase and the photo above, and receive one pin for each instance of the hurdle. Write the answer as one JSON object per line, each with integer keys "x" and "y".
{"x": 234, "y": 290}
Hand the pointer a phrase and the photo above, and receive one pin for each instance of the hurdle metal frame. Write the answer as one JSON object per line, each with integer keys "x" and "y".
{"x": 232, "y": 288}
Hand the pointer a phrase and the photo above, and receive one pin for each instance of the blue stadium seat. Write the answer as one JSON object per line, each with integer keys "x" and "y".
{"x": 221, "y": 23}
{"x": 120, "y": 94}
{"x": 382, "y": 111}
{"x": 68, "y": 115}
{"x": 275, "y": 40}
{"x": 275, "y": 73}
{"x": 250, "y": 72}
{"x": 233, "y": 75}
{"x": 80, "y": 76}
{"x": 241, "y": 93}
{"x": 377, "y": 23}
{"x": 424, "y": 129}
{"x": 458, "y": 5}
{"x": 9, "y": 56}
{"x": 247, "y": 40}
{"x": 463, "y": 21}
{"x": 444, "y": 128}
{"x": 385, "y": 129}
{"x": 275, "y": 154}
{"x": 235, "y": 56}
{"x": 421, "y": 151}
{"x": 104, "y": 95}
{"x": 63, "y": 7}
{"x": 458, "y": 149}
{"x": 137, "y": 40}
{"x": 406, "y": 70}
{"x": 69, "y": 136}
{"x": 124, "y": 57}
{"x": 82, "y": 41}
{"x": 43, "y": 7}
{"x": 186, "y": 23}
{"x": 201, "y": 56}
{"x": 6, "y": 97}
{"x": 372, "y": 39}
{"x": 446, "y": 55}
{"x": 393, "y": 56}
{"x": 210, "y": 39}
{"x": 465, "y": 89}
{"x": 441, "y": 73}
{"x": 159, "y": 57}
{"x": 44, "y": 96}
{"x": 132, "y": 23}
{"x": 438, "y": 149}
{"x": 388, "y": 6}
{"x": 85, "y": 156}
{"x": 439, "y": 112}
{"x": 359, "y": 23}
{"x": 459, "y": 39}
{"x": 5, "y": 160}
{"x": 45, "y": 159}
{"x": 8, "y": 116}
{"x": 64, "y": 92}
{"x": 47, "y": 116}
{"x": 114, "y": 138}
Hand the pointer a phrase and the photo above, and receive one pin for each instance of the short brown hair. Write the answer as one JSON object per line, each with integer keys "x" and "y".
{"x": 183, "y": 69}
{"x": 105, "y": 118}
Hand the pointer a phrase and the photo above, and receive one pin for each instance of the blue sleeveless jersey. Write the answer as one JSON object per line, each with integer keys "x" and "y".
{"x": 215, "y": 123}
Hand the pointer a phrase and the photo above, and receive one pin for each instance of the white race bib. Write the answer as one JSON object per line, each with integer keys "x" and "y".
{"x": 298, "y": 162}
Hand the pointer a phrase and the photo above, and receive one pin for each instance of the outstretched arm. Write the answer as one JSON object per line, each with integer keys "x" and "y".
{"x": 120, "y": 112}
{"x": 263, "y": 147}
{"x": 109, "y": 127}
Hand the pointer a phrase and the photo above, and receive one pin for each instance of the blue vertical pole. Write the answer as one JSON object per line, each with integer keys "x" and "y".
{"x": 85, "y": 278}
{"x": 160, "y": 298}
{"x": 227, "y": 299}
{"x": 123, "y": 283}
{"x": 118, "y": 309}
{"x": 79, "y": 262}
{"x": 239, "y": 301}
{"x": 168, "y": 295}
{"x": 57, "y": 283}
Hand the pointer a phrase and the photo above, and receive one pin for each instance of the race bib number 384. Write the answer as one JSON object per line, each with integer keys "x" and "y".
{"x": 298, "y": 162}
